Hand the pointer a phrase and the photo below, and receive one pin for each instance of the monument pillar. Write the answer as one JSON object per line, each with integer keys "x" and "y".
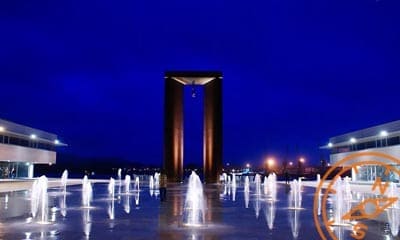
{"x": 173, "y": 130}
{"x": 212, "y": 130}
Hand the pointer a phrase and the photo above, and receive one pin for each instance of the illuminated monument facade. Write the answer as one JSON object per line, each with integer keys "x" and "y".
{"x": 173, "y": 125}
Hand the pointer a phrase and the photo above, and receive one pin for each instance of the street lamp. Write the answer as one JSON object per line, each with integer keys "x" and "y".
{"x": 270, "y": 162}
{"x": 300, "y": 166}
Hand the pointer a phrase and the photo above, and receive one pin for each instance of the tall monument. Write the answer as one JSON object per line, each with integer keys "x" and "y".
{"x": 173, "y": 123}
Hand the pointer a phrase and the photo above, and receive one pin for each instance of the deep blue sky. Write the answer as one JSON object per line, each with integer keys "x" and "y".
{"x": 296, "y": 72}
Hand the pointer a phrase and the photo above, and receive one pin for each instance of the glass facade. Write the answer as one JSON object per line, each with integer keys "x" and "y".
{"x": 382, "y": 142}
{"x": 14, "y": 170}
{"x": 19, "y": 141}
{"x": 371, "y": 172}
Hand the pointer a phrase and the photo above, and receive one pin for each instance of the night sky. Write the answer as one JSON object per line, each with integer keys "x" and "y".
{"x": 296, "y": 72}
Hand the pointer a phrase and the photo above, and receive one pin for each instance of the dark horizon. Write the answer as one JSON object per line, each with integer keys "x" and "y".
{"x": 295, "y": 73}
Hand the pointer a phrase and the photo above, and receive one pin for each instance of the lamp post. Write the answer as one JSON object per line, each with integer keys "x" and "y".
{"x": 270, "y": 162}
{"x": 301, "y": 165}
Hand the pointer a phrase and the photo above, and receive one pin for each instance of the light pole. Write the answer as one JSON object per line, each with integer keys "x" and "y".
{"x": 300, "y": 165}
{"x": 270, "y": 164}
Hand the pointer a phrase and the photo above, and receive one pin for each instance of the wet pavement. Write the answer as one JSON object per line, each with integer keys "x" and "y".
{"x": 231, "y": 213}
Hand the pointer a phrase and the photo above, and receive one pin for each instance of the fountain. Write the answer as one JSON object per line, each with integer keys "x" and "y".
{"x": 151, "y": 183}
{"x": 233, "y": 180}
{"x": 111, "y": 192}
{"x": 234, "y": 194}
{"x": 39, "y": 199}
{"x": 127, "y": 183}
{"x": 341, "y": 202}
{"x": 119, "y": 183}
{"x": 137, "y": 197}
{"x": 295, "y": 195}
{"x": 257, "y": 204}
{"x": 156, "y": 184}
{"x": 257, "y": 181}
{"x": 270, "y": 211}
{"x": 111, "y": 188}
{"x": 246, "y": 184}
{"x": 225, "y": 177}
{"x": 246, "y": 198}
{"x": 119, "y": 176}
{"x": 393, "y": 213}
{"x": 194, "y": 203}
{"x": 63, "y": 205}
{"x": 127, "y": 204}
{"x": 300, "y": 182}
{"x": 64, "y": 180}
{"x": 295, "y": 200}
{"x": 136, "y": 186}
{"x": 294, "y": 220}
{"x": 87, "y": 222}
{"x": 265, "y": 185}
{"x": 347, "y": 190}
{"x": 156, "y": 180}
{"x": 270, "y": 187}
{"x": 87, "y": 192}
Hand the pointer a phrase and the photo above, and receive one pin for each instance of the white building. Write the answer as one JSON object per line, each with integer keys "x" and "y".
{"x": 22, "y": 147}
{"x": 383, "y": 138}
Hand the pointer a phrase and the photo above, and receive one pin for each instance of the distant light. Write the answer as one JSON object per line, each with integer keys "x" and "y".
{"x": 330, "y": 144}
{"x": 2, "y": 129}
{"x": 353, "y": 140}
{"x": 247, "y": 165}
{"x": 270, "y": 162}
{"x": 383, "y": 133}
{"x": 329, "y": 164}
{"x": 27, "y": 164}
{"x": 302, "y": 160}
{"x": 33, "y": 136}
{"x": 291, "y": 163}
{"x": 56, "y": 142}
